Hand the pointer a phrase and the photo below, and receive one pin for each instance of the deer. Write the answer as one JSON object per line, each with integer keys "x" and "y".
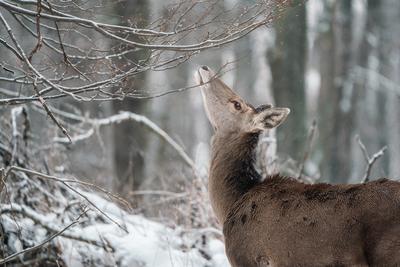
{"x": 281, "y": 221}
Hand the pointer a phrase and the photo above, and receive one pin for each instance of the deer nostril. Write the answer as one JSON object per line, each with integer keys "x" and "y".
{"x": 204, "y": 67}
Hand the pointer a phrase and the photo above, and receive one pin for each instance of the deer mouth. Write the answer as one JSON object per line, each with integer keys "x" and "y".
{"x": 204, "y": 75}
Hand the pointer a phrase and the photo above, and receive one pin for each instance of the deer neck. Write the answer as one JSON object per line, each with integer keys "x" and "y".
{"x": 232, "y": 171}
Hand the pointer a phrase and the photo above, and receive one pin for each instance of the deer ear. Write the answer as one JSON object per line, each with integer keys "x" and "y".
{"x": 270, "y": 118}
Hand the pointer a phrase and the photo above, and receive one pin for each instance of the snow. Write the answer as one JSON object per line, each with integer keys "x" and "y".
{"x": 147, "y": 243}
{"x": 132, "y": 241}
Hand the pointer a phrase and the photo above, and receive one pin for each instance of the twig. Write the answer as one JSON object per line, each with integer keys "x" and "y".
{"x": 124, "y": 116}
{"x": 54, "y": 31}
{"x": 370, "y": 160}
{"x": 65, "y": 55}
{"x": 37, "y": 73}
{"x": 41, "y": 244}
{"x": 76, "y": 181}
{"x": 13, "y": 50}
{"x": 2, "y": 179}
{"x": 27, "y": 212}
{"x": 48, "y": 111}
{"x": 13, "y": 168}
{"x": 152, "y": 126}
{"x": 247, "y": 27}
{"x": 39, "y": 35}
{"x": 149, "y": 94}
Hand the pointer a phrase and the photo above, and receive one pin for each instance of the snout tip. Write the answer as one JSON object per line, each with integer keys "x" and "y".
{"x": 204, "y": 74}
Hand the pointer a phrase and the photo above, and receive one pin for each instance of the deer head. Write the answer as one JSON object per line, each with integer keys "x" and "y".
{"x": 228, "y": 112}
{"x": 237, "y": 126}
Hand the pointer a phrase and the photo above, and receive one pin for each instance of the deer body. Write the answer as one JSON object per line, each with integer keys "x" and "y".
{"x": 279, "y": 221}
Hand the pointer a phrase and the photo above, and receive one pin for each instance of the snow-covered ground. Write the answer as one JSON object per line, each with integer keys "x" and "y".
{"x": 145, "y": 243}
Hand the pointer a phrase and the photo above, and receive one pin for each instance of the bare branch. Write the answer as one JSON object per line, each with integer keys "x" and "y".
{"x": 369, "y": 160}
{"x": 16, "y": 168}
{"x": 254, "y": 23}
{"x": 75, "y": 181}
{"x": 150, "y": 125}
{"x": 12, "y": 49}
{"x": 51, "y": 115}
{"x": 39, "y": 76}
{"x": 125, "y": 116}
{"x": 26, "y": 212}
{"x": 2, "y": 179}
{"x": 44, "y": 242}
{"x": 167, "y": 42}
{"x": 39, "y": 35}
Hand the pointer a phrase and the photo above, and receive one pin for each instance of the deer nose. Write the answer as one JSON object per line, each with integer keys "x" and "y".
{"x": 204, "y": 68}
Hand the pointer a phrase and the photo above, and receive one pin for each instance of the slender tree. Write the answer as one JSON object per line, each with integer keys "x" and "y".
{"x": 130, "y": 139}
{"x": 288, "y": 62}
{"x": 336, "y": 102}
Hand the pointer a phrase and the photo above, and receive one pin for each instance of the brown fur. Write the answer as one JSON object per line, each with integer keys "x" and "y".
{"x": 280, "y": 221}
{"x": 283, "y": 222}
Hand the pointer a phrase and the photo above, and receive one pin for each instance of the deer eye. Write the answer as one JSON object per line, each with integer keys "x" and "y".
{"x": 237, "y": 105}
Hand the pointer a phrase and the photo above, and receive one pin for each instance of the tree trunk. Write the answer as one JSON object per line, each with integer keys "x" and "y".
{"x": 130, "y": 138}
{"x": 336, "y": 101}
{"x": 389, "y": 41}
{"x": 288, "y": 71}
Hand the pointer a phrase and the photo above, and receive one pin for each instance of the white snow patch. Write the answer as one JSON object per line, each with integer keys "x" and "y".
{"x": 97, "y": 241}
{"x": 147, "y": 243}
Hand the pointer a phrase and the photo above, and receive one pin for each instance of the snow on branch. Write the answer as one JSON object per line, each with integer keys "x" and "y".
{"x": 260, "y": 14}
{"x": 120, "y": 118}
{"x": 41, "y": 244}
{"x": 76, "y": 191}
{"x": 94, "y": 60}
{"x": 145, "y": 243}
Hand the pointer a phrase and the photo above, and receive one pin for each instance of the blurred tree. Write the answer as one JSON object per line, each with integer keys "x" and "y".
{"x": 288, "y": 77}
{"x": 370, "y": 101}
{"x": 130, "y": 138}
{"x": 336, "y": 102}
{"x": 388, "y": 76}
